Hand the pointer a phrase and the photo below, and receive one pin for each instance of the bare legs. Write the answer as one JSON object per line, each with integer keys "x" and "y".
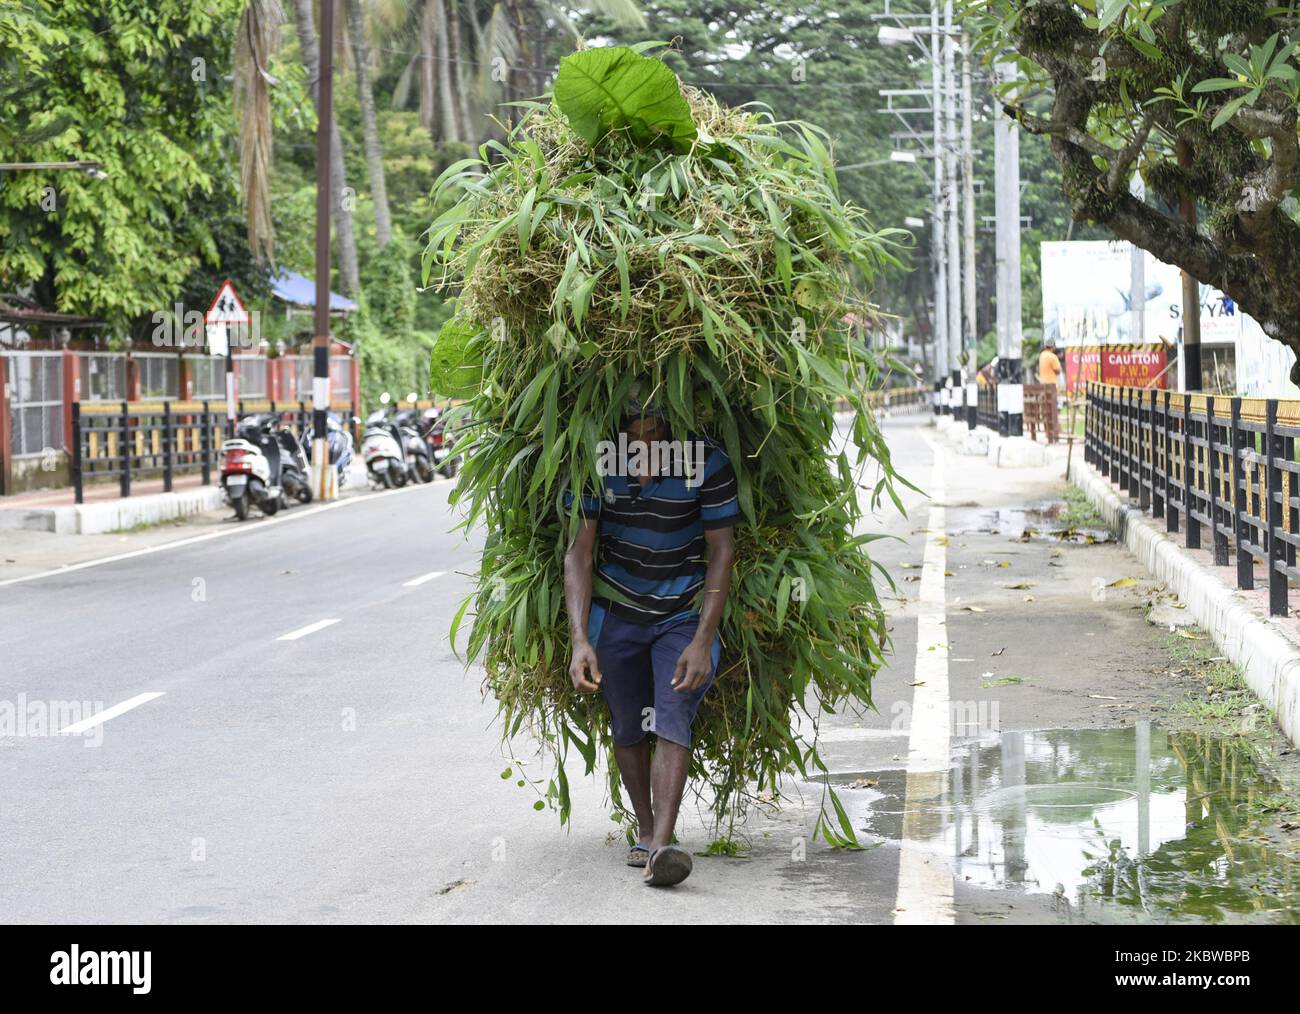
{"x": 667, "y": 775}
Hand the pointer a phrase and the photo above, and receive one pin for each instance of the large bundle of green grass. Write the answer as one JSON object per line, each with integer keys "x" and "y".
{"x": 636, "y": 235}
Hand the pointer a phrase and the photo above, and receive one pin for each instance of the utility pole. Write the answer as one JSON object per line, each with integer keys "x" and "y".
{"x": 949, "y": 151}
{"x": 1137, "y": 283}
{"x": 323, "y": 473}
{"x": 969, "y": 326}
{"x": 1006, "y": 195}
{"x": 940, "y": 336}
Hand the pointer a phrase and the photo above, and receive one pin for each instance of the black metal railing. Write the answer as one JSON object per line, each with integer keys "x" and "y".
{"x": 149, "y": 440}
{"x": 986, "y": 407}
{"x": 1220, "y": 468}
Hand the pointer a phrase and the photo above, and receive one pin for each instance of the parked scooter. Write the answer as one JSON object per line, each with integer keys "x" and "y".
{"x": 250, "y": 467}
{"x": 340, "y": 445}
{"x": 441, "y": 441}
{"x": 381, "y": 450}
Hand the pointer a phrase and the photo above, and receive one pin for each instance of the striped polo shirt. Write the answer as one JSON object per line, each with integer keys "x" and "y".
{"x": 651, "y": 538}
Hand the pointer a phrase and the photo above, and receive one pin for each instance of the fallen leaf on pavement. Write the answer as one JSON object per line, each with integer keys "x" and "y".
{"x": 1005, "y": 681}
{"x": 1123, "y": 582}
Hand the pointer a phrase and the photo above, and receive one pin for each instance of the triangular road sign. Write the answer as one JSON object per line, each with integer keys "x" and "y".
{"x": 227, "y": 308}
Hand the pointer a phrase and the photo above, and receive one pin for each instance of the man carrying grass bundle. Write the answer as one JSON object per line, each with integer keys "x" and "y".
{"x": 653, "y": 651}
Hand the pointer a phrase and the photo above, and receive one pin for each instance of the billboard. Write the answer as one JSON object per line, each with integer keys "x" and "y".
{"x": 1087, "y": 309}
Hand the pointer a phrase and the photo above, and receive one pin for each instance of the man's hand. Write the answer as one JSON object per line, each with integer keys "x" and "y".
{"x": 693, "y": 667}
{"x": 584, "y": 670}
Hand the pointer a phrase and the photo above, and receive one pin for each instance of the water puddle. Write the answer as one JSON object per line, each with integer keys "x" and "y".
{"x": 1044, "y": 521}
{"x": 1163, "y": 825}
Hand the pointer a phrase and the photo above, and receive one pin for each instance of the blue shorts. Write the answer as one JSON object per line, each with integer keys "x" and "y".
{"x": 637, "y": 662}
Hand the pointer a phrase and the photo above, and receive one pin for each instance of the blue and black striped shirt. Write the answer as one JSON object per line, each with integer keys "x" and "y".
{"x": 651, "y": 537}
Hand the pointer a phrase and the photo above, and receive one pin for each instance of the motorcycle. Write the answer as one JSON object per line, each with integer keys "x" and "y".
{"x": 441, "y": 441}
{"x": 251, "y": 468}
{"x": 295, "y": 473}
{"x": 340, "y": 445}
{"x": 419, "y": 456}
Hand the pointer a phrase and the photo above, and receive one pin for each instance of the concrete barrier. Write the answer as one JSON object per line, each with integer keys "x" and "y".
{"x": 1241, "y": 628}
{"x": 112, "y": 515}
{"x": 1003, "y": 452}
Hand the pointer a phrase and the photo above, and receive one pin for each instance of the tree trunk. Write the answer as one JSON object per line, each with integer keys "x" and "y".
{"x": 460, "y": 94}
{"x": 369, "y": 124}
{"x": 447, "y": 111}
{"x": 349, "y": 276}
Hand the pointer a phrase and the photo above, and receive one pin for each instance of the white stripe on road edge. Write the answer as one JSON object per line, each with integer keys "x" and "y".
{"x": 924, "y": 876}
{"x": 260, "y": 526}
{"x": 311, "y": 628}
{"x": 415, "y": 582}
{"x": 113, "y": 712}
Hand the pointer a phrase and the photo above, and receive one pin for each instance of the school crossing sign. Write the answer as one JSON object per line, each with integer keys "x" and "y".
{"x": 226, "y": 311}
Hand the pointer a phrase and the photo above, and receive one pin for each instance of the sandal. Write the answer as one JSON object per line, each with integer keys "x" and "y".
{"x": 667, "y": 866}
{"x": 638, "y": 855}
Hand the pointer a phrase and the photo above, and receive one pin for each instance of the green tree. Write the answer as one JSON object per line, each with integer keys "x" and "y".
{"x": 1199, "y": 97}
{"x": 140, "y": 88}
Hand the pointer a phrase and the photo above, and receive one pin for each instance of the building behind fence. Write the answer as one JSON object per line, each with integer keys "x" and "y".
{"x": 41, "y": 388}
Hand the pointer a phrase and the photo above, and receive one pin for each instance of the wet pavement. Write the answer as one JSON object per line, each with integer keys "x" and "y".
{"x": 1032, "y": 757}
{"x": 1106, "y": 823}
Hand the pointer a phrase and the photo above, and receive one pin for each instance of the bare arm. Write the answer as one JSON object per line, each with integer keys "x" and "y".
{"x": 696, "y": 662}
{"x": 583, "y": 668}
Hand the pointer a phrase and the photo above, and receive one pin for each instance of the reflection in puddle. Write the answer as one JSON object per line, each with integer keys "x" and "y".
{"x": 1152, "y": 821}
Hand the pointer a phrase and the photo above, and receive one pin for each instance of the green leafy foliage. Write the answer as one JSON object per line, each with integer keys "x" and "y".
{"x": 720, "y": 280}
{"x": 140, "y": 89}
{"x": 456, "y": 365}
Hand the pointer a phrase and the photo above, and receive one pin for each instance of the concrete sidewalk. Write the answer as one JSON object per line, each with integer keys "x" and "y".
{"x": 106, "y": 511}
{"x": 1266, "y": 648}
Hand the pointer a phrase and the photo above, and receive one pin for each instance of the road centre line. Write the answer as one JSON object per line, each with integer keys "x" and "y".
{"x": 415, "y": 582}
{"x": 311, "y": 628}
{"x": 103, "y": 716}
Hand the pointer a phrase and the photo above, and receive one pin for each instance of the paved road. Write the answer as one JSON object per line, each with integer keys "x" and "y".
{"x": 352, "y": 773}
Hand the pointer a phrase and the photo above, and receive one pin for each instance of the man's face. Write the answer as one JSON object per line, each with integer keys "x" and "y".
{"x": 647, "y": 428}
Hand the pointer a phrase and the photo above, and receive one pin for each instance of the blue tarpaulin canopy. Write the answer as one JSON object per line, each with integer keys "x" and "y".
{"x": 301, "y": 291}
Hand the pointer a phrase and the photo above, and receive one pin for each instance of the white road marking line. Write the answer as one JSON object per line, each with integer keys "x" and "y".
{"x": 311, "y": 628}
{"x": 260, "y": 526}
{"x": 415, "y": 582}
{"x": 925, "y": 887}
{"x": 105, "y": 715}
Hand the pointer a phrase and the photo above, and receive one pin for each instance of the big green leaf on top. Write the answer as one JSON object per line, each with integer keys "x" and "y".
{"x": 615, "y": 88}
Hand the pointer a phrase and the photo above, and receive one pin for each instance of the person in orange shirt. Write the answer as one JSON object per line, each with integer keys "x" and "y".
{"x": 1049, "y": 366}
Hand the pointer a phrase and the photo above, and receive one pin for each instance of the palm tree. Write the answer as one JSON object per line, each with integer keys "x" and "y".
{"x": 505, "y": 40}
{"x": 258, "y": 39}
{"x": 369, "y": 122}
{"x": 349, "y": 274}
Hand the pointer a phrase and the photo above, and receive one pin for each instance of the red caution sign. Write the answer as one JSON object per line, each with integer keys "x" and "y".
{"x": 1125, "y": 365}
